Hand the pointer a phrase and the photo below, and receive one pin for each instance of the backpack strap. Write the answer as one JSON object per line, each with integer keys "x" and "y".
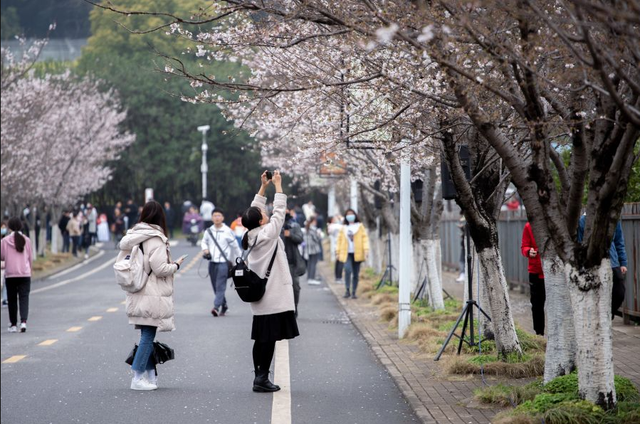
{"x": 273, "y": 258}
{"x": 218, "y": 246}
{"x": 142, "y": 250}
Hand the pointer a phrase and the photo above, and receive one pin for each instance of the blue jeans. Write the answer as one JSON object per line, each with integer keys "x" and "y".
{"x": 351, "y": 273}
{"x": 143, "y": 360}
{"x": 218, "y": 273}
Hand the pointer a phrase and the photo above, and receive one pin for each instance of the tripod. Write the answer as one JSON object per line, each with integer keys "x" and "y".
{"x": 467, "y": 312}
{"x": 387, "y": 277}
{"x": 423, "y": 286}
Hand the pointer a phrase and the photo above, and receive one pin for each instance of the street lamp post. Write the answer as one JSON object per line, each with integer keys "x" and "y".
{"x": 204, "y": 168}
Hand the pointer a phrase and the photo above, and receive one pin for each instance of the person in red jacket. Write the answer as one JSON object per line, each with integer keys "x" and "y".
{"x": 536, "y": 279}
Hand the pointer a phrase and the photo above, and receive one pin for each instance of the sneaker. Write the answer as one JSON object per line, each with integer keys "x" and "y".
{"x": 153, "y": 380}
{"x": 215, "y": 312}
{"x": 142, "y": 384}
{"x": 313, "y": 282}
{"x": 353, "y": 296}
{"x": 347, "y": 295}
{"x": 461, "y": 278}
{"x": 86, "y": 256}
{"x": 13, "y": 329}
{"x": 23, "y": 327}
{"x": 339, "y": 281}
{"x": 224, "y": 310}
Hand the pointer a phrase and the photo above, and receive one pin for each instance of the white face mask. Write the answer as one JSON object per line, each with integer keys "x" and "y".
{"x": 4, "y": 231}
{"x": 351, "y": 219}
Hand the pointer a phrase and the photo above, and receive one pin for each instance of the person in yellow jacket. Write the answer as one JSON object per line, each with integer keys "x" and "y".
{"x": 352, "y": 249}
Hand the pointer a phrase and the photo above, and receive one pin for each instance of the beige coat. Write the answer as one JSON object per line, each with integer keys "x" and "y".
{"x": 73, "y": 227}
{"x": 153, "y": 305}
{"x": 278, "y": 296}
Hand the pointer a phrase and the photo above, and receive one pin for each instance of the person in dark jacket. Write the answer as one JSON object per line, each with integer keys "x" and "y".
{"x": 62, "y": 225}
{"x": 292, "y": 236}
{"x": 171, "y": 217}
{"x": 618, "y": 258}
{"x": 537, "y": 291}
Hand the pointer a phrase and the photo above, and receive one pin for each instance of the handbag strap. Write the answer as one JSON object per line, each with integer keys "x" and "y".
{"x": 217, "y": 245}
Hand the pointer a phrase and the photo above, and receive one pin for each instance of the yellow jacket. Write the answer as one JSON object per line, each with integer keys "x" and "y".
{"x": 361, "y": 244}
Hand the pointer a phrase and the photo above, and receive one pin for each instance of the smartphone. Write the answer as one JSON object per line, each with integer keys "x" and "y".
{"x": 269, "y": 175}
{"x": 182, "y": 257}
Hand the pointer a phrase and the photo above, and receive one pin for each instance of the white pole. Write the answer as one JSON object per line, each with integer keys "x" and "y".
{"x": 354, "y": 194}
{"x": 204, "y": 168}
{"x": 331, "y": 209}
{"x": 404, "y": 298}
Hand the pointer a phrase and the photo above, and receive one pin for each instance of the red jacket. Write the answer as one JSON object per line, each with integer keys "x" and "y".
{"x": 528, "y": 242}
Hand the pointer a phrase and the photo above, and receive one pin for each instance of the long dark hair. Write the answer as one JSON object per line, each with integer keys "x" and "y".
{"x": 153, "y": 213}
{"x": 345, "y": 216}
{"x": 250, "y": 219}
{"x": 15, "y": 225}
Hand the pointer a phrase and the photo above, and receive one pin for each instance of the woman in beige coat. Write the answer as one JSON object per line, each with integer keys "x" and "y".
{"x": 150, "y": 309}
{"x": 273, "y": 315}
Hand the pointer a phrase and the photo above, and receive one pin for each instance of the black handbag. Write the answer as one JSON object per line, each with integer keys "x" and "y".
{"x": 161, "y": 354}
{"x": 249, "y": 286}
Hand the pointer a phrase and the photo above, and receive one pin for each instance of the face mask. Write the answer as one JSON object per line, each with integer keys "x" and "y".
{"x": 351, "y": 218}
{"x": 4, "y": 231}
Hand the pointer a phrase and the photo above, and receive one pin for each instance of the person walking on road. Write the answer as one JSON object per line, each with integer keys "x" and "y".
{"x": 274, "y": 315}
{"x": 313, "y": 248}
{"x": 16, "y": 253}
{"x": 352, "y": 249}
{"x": 92, "y": 217}
{"x": 171, "y": 217}
{"x": 151, "y": 308}
{"x": 118, "y": 226}
{"x": 220, "y": 247}
{"x": 206, "y": 210}
{"x": 537, "y": 291}
{"x": 74, "y": 227}
{"x": 293, "y": 237}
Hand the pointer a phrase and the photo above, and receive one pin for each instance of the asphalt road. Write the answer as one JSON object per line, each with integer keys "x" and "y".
{"x": 79, "y": 376}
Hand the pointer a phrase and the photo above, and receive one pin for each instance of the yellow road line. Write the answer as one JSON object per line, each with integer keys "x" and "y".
{"x": 96, "y": 318}
{"x": 112, "y": 310}
{"x": 47, "y": 342}
{"x": 14, "y": 359}
{"x": 74, "y": 329}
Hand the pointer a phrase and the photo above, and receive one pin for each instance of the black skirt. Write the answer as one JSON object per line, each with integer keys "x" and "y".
{"x": 274, "y": 327}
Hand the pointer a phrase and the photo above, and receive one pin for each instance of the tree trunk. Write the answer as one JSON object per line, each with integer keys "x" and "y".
{"x": 492, "y": 272}
{"x": 486, "y": 326}
{"x": 56, "y": 235}
{"x": 560, "y": 357}
{"x": 435, "y": 283}
{"x": 590, "y": 291}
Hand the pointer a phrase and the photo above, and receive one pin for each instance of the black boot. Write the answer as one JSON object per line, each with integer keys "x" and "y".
{"x": 262, "y": 384}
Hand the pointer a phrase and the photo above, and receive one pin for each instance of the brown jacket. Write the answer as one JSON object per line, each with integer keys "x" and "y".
{"x": 153, "y": 305}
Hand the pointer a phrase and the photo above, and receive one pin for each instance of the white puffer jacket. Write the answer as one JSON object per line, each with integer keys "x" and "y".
{"x": 153, "y": 305}
{"x": 278, "y": 296}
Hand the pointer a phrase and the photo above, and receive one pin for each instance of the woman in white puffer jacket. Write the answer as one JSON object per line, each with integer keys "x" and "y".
{"x": 150, "y": 309}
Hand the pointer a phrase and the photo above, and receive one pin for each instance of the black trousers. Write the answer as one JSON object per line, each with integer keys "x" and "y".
{"x": 538, "y": 296}
{"x": 18, "y": 288}
{"x": 617, "y": 294}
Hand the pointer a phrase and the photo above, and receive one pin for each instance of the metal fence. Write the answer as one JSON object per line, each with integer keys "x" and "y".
{"x": 510, "y": 226}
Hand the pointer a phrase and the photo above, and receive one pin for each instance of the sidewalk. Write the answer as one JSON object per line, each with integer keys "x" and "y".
{"x": 435, "y": 396}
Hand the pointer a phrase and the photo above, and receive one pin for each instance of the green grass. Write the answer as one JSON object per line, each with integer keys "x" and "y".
{"x": 557, "y": 402}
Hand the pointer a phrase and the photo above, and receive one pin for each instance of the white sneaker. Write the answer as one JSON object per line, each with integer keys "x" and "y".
{"x": 142, "y": 384}
{"x": 461, "y": 278}
{"x": 23, "y": 327}
{"x": 339, "y": 281}
{"x": 86, "y": 256}
{"x": 13, "y": 329}
{"x": 313, "y": 282}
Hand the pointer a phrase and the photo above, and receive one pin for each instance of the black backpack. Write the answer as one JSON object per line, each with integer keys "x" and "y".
{"x": 248, "y": 284}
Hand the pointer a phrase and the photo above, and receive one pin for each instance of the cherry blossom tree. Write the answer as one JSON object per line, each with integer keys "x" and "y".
{"x": 59, "y": 134}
